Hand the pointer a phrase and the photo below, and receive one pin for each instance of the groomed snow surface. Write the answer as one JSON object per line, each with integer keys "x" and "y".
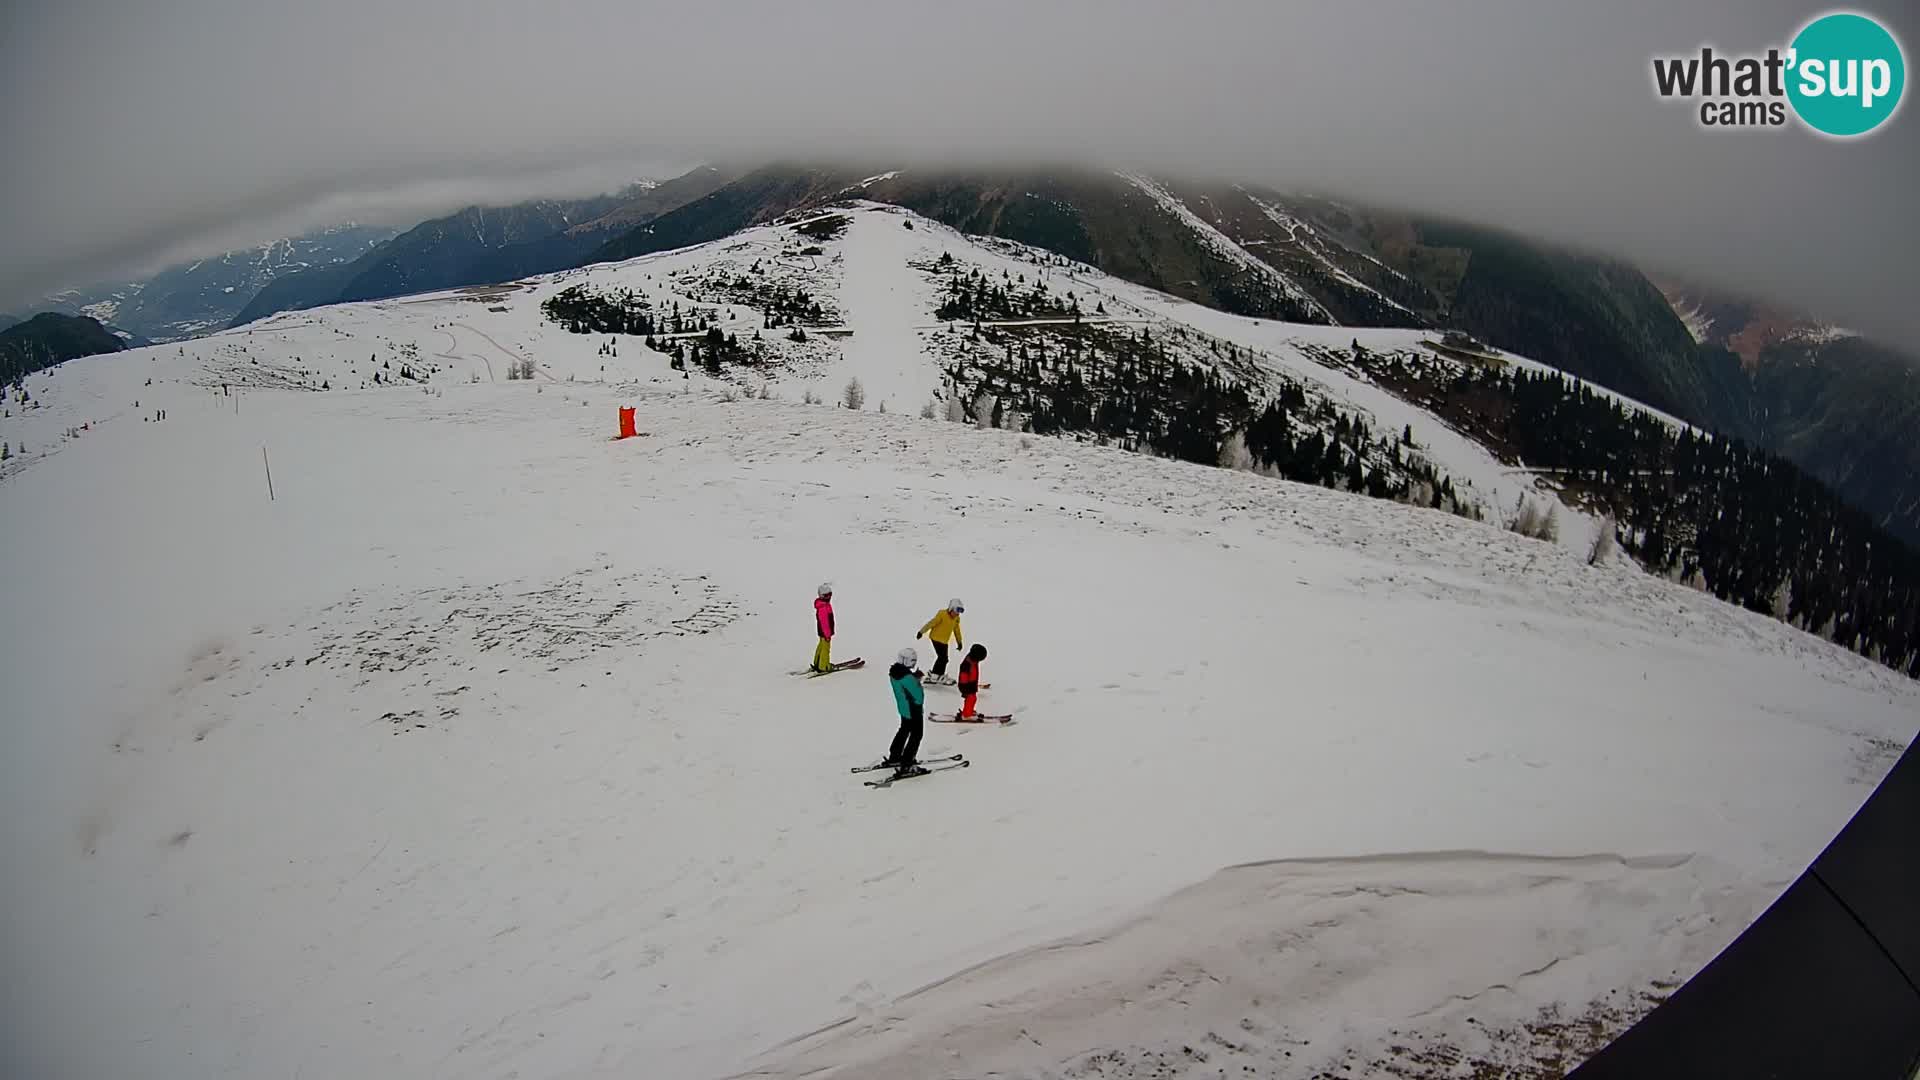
{"x": 475, "y": 752}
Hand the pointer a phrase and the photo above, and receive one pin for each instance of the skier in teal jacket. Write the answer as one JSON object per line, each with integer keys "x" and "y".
{"x": 911, "y": 699}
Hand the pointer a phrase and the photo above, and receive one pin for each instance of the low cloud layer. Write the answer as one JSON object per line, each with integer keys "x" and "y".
{"x": 135, "y": 133}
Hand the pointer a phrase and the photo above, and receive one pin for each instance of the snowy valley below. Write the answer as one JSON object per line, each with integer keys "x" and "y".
{"x": 474, "y": 751}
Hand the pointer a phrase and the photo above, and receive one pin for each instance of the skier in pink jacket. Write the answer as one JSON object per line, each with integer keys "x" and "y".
{"x": 823, "y": 623}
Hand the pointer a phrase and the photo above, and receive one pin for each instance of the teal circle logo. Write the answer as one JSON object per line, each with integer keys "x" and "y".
{"x": 1847, "y": 74}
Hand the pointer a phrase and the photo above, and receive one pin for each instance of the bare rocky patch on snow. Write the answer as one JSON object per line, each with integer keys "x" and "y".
{"x": 552, "y": 624}
{"x": 1874, "y": 756}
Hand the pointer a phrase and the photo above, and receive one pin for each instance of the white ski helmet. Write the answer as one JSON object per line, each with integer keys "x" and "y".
{"x": 955, "y": 605}
{"x": 825, "y": 589}
{"x": 906, "y": 657}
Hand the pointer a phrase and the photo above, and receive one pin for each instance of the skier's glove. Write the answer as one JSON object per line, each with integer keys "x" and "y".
{"x": 916, "y": 637}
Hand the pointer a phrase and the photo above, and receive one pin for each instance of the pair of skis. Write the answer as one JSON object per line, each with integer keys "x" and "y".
{"x": 926, "y": 767}
{"x": 858, "y": 662}
{"x": 940, "y": 760}
{"x": 844, "y": 665}
{"x": 976, "y": 718}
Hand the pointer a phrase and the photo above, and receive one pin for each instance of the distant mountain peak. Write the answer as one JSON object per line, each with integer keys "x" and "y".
{"x": 203, "y": 295}
{"x": 478, "y": 245}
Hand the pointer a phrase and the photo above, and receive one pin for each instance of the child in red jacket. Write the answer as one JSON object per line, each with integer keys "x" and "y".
{"x": 969, "y": 679}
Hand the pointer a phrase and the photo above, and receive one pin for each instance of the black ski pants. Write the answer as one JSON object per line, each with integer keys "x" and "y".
{"x": 939, "y": 659}
{"x": 906, "y": 742}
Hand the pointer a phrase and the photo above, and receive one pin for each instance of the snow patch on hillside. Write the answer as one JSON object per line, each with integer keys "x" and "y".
{"x": 102, "y": 310}
{"x": 1823, "y": 334}
{"x": 1698, "y": 323}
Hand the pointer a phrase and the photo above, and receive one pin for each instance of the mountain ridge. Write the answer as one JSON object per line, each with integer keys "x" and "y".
{"x": 49, "y": 339}
{"x": 482, "y": 245}
{"x": 1335, "y": 262}
{"x": 199, "y": 296}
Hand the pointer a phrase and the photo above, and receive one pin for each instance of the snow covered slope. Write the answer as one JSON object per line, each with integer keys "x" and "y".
{"x": 473, "y": 750}
{"x": 875, "y": 289}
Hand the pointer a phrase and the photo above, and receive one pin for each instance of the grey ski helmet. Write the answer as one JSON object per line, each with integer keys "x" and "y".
{"x": 906, "y": 657}
{"x": 825, "y": 589}
{"x": 954, "y": 605}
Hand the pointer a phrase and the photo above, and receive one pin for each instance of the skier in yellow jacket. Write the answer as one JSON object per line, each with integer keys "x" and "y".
{"x": 944, "y": 626}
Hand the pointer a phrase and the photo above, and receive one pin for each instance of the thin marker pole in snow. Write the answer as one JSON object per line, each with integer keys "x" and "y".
{"x": 269, "y": 467}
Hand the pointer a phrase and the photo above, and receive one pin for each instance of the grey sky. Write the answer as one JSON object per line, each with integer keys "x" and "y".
{"x": 138, "y": 132}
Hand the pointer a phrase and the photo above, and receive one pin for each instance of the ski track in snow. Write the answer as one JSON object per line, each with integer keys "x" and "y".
{"x": 1222, "y": 243}
{"x": 473, "y": 752}
{"x": 1315, "y": 248}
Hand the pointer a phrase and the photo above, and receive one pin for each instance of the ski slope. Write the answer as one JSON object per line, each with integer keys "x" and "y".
{"x": 472, "y": 752}
{"x": 886, "y": 309}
